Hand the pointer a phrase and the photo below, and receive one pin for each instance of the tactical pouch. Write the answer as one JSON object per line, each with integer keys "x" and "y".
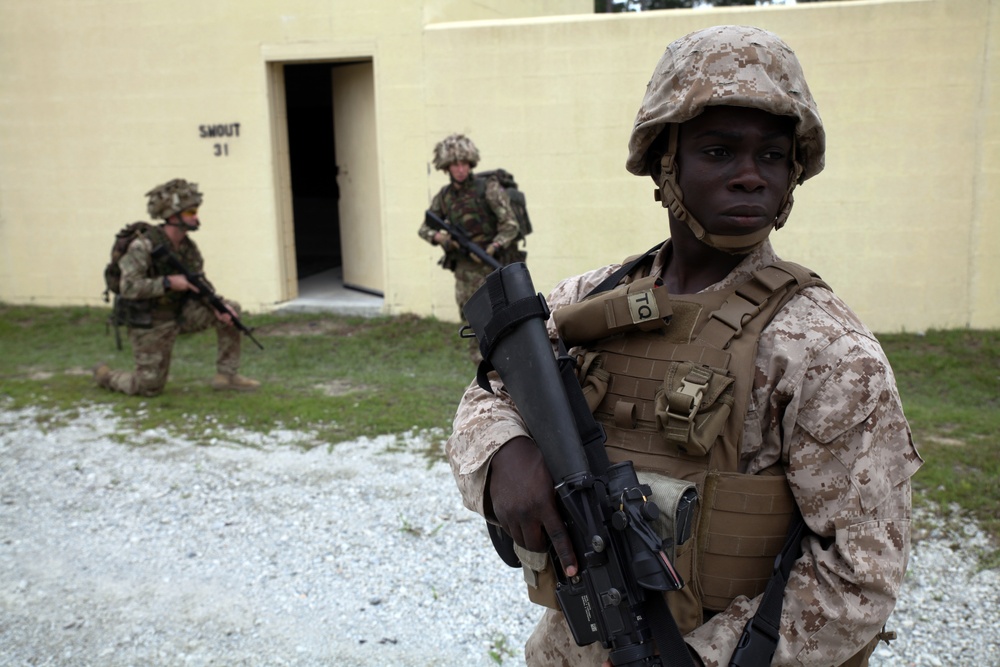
{"x": 643, "y": 304}
{"x": 593, "y": 378}
{"x": 677, "y": 500}
{"x": 134, "y": 313}
{"x": 693, "y": 405}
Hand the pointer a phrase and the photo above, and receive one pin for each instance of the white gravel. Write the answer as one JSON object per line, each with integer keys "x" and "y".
{"x": 255, "y": 552}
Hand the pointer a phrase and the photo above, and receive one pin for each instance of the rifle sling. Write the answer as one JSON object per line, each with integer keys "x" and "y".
{"x": 591, "y": 432}
{"x": 760, "y": 635}
{"x": 625, "y": 269}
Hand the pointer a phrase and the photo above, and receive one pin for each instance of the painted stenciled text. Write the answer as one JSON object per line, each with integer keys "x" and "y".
{"x": 223, "y": 131}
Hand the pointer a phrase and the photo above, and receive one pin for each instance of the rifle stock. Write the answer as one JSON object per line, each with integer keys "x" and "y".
{"x": 204, "y": 290}
{"x": 465, "y": 244}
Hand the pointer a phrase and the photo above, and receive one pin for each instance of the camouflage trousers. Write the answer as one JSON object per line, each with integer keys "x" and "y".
{"x": 152, "y": 349}
{"x": 551, "y": 644}
{"x": 469, "y": 277}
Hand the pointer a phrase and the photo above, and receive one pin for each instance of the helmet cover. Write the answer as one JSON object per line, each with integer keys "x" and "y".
{"x": 173, "y": 197}
{"x": 728, "y": 66}
{"x": 455, "y": 148}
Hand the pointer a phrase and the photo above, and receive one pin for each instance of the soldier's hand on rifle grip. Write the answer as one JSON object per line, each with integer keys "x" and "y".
{"x": 226, "y": 318}
{"x": 521, "y": 492}
{"x": 443, "y": 239}
{"x": 179, "y": 283}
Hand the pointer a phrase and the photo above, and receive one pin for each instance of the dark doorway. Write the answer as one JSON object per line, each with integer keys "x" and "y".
{"x": 312, "y": 156}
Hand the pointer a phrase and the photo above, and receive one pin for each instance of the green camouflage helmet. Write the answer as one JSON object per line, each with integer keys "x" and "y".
{"x": 725, "y": 65}
{"x": 455, "y": 148}
{"x": 173, "y": 197}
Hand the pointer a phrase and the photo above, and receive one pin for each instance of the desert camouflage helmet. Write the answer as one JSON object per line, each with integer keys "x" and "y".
{"x": 173, "y": 197}
{"x": 725, "y": 66}
{"x": 455, "y": 148}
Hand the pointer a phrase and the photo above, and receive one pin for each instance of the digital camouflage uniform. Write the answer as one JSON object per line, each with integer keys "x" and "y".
{"x": 827, "y": 410}
{"x": 484, "y": 213}
{"x": 173, "y": 313}
{"x": 823, "y": 409}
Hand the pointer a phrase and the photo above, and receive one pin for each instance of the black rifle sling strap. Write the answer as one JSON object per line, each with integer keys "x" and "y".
{"x": 625, "y": 269}
{"x": 591, "y": 432}
{"x": 760, "y": 635}
{"x": 667, "y": 636}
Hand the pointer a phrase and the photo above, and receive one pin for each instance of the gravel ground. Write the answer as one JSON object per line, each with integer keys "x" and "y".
{"x": 257, "y": 552}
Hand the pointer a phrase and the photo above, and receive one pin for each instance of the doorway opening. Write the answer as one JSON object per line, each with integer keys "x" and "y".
{"x": 334, "y": 194}
{"x": 312, "y": 159}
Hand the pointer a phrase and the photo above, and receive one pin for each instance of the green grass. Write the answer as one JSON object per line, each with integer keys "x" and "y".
{"x": 346, "y": 377}
{"x": 343, "y": 377}
{"x": 950, "y": 384}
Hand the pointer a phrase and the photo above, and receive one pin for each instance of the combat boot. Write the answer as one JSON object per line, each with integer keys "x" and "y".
{"x": 234, "y": 382}
{"x": 102, "y": 375}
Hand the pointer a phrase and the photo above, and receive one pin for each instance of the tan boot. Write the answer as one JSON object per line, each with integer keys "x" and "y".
{"x": 102, "y": 375}
{"x": 234, "y": 382}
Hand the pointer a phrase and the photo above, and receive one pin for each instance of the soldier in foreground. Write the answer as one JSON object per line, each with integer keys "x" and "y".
{"x": 158, "y": 302}
{"x": 480, "y": 208}
{"x": 761, "y": 387}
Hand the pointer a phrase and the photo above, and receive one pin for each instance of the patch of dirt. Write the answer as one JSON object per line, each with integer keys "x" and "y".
{"x": 306, "y": 328}
{"x": 339, "y": 387}
{"x": 947, "y": 442}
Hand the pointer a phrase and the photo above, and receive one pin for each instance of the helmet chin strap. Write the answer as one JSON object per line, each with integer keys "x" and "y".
{"x": 180, "y": 223}
{"x": 670, "y": 196}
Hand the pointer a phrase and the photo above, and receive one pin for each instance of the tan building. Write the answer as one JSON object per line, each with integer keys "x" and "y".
{"x": 309, "y": 126}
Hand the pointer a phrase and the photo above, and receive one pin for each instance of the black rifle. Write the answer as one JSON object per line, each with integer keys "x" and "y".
{"x": 616, "y": 597}
{"x": 204, "y": 291}
{"x": 458, "y": 235}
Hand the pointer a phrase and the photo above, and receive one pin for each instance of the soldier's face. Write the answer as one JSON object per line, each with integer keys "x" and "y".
{"x": 734, "y": 165}
{"x": 459, "y": 171}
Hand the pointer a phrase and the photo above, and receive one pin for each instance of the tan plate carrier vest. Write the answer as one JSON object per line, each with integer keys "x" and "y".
{"x": 671, "y": 385}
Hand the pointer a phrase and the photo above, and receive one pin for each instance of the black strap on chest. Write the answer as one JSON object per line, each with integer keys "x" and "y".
{"x": 625, "y": 269}
{"x": 760, "y": 635}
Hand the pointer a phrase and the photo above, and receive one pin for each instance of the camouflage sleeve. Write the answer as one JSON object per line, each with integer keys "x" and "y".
{"x": 849, "y": 459}
{"x": 135, "y": 265}
{"x": 426, "y": 232}
{"x": 507, "y": 227}
{"x": 484, "y": 422}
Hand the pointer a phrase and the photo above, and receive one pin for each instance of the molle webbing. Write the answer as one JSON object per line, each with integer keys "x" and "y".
{"x": 652, "y": 378}
{"x": 751, "y": 298}
{"x": 744, "y": 522}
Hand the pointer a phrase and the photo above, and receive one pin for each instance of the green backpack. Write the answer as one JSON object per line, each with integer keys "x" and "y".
{"x": 517, "y": 202}
{"x": 112, "y": 272}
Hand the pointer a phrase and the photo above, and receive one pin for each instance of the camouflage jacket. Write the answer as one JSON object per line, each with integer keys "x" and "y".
{"x": 142, "y": 276}
{"x": 824, "y": 405}
{"x": 487, "y": 219}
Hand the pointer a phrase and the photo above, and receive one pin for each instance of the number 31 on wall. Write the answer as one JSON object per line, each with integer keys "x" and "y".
{"x": 220, "y": 150}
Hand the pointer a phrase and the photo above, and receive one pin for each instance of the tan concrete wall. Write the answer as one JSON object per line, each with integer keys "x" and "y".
{"x": 101, "y": 100}
{"x": 904, "y": 221}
